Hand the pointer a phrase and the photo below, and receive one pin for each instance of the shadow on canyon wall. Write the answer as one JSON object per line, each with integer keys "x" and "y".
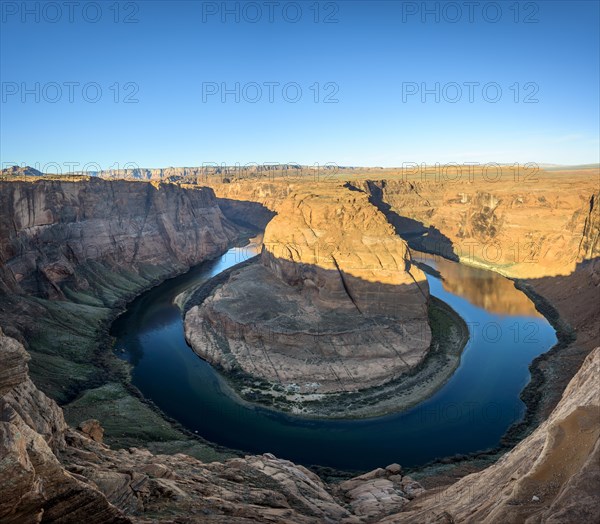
{"x": 414, "y": 233}
{"x": 245, "y": 213}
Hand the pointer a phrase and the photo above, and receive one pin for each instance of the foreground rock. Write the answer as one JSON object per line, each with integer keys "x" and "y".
{"x": 50, "y": 471}
{"x": 92, "y": 483}
{"x": 33, "y": 483}
{"x": 335, "y": 304}
{"x": 552, "y": 476}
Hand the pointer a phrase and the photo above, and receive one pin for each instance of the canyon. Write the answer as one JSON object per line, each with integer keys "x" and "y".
{"x": 74, "y": 252}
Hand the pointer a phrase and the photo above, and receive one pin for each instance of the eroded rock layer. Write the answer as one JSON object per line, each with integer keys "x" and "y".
{"x": 50, "y": 472}
{"x": 552, "y": 476}
{"x": 70, "y": 251}
{"x": 526, "y": 229}
{"x": 51, "y": 228}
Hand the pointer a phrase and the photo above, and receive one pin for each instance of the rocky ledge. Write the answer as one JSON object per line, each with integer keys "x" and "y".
{"x": 53, "y": 473}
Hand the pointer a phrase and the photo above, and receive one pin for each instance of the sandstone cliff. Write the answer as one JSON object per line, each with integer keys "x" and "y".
{"x": 51, "y": 229}
{"x": 33, "y": 483}
{"x": 553, "y": 476}
{"x": 524, "y": 229}
{"x": 522, "y": 224}
{"x": 72, "y": 253}
{"x": 48, "y": 467}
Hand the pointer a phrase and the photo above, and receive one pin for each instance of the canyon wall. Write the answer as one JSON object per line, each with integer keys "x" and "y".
{"x": 528, "y": 229}
{"x": 553, "y": 476}
{"x": 520, "y": 224}
{"x": 51, "y": 472}
{"x": 51, "y": 229}
{"x": 71, "y": 252}
{"x": 49, "y": 469}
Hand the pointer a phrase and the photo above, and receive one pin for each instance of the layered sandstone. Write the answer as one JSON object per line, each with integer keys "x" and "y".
{"x": 522, "y": 228}
{"x": 523, "y": 222}
{"x": 33, "y": 483}
{"x": 50, "y": 472}
{"x": 335, "y": 305}
{"x": 51, "y": 229}
{"x": 49, "y": 469}
{"x": 552, "y": 476}
{"x": 72, "y": 250}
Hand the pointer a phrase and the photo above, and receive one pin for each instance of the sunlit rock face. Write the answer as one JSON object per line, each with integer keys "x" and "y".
{"x": 335, "y": 304}
{"x": 338, "y": 245}
{"x": 551, "y": 476}
{"x": 526, "y": 228}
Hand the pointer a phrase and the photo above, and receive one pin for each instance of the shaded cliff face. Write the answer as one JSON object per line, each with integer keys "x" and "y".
{"x": 51, "y": 229}
{"x": 72, "y": 251}
{"x": 340, "y": 244}
{"x": 34, "y": 484}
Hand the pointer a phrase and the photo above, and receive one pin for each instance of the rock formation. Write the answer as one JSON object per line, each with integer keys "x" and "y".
{"x": 33, "y": 483}
{"x": 531, "y": 228}
{"x": 69, "y": 251}
{"x": 335, "y": 304}
{"x": 52, "y": 471}
{"x": 51, "y": 228}
{"x": 552, "y": 476}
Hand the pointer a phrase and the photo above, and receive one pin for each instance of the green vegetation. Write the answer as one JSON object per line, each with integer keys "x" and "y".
{"x": 73, "y": 362}
{"x": 129, "y": 421}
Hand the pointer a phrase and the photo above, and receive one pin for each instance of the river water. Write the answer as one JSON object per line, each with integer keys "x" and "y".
{"x": 469, "y": 413}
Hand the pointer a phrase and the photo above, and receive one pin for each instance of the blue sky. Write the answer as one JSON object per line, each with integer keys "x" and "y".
{"x": 366, "y": 58}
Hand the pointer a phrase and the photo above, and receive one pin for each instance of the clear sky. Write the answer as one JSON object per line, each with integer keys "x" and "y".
{"x": 370, "y": 61}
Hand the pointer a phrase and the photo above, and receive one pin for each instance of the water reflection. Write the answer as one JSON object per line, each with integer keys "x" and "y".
{"x": 484, "y": 289}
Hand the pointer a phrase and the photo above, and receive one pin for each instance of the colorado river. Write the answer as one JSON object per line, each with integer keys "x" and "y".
{"x": 471, "y": 411}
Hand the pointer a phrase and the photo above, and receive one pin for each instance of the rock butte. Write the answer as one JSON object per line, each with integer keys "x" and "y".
{"x": 49, "y": 469}
{"x": 335, "y": 304}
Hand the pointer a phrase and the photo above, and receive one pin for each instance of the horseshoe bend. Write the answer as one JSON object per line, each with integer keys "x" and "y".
{"x": 334, "y": 304}
{"x": 355, "y": 317}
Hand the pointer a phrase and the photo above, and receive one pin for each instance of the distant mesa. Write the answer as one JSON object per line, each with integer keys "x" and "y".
{"x": 15, "y": 171}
